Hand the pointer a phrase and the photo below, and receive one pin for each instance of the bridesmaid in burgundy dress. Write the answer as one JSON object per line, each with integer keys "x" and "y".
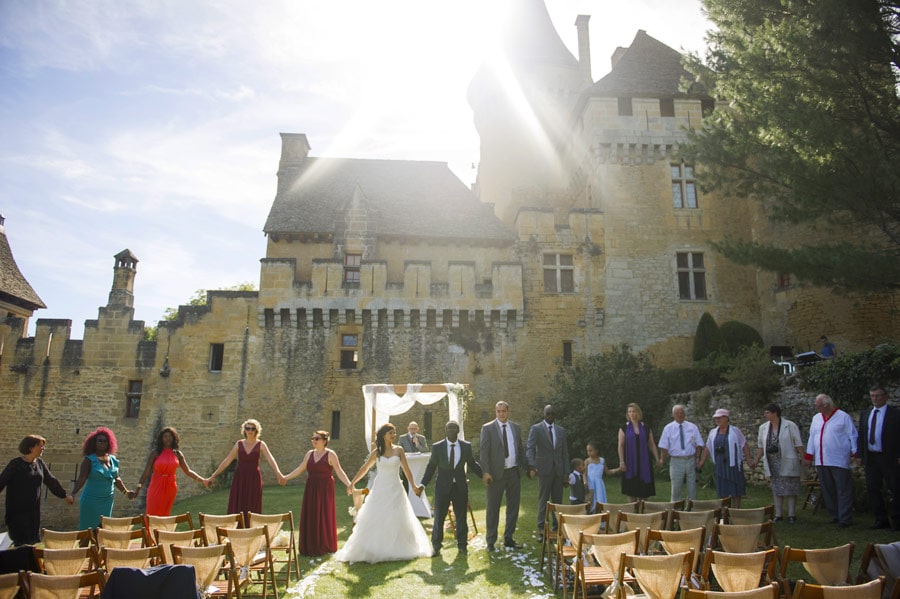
{"x": 318, "y": 518}
{"x": 246, "y": 487}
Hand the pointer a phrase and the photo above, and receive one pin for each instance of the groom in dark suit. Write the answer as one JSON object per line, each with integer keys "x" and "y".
{"x": 449, "y": 458}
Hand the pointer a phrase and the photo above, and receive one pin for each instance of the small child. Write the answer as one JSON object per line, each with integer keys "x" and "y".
{"x": 576, "y": 481}
{"x": 594, "y": 468}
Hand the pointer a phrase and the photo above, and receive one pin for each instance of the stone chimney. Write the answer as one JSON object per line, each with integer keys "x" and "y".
{"x": 294, "y": 151}
{"x": 122, "y": 292}
{"x": 584, "y": 47}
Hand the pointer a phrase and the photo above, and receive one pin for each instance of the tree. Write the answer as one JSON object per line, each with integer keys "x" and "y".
{"x": 708, "y": 339}
{"x": 590, "y": 397}
{"x": 811, "y": 130}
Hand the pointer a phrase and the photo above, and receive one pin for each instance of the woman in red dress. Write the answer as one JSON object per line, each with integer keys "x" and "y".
{"x": 162, "y": 465}
{"x": 318, "y": 518}
{"x": 246, "y": 486}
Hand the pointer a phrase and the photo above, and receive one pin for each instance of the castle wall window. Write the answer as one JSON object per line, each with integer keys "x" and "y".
{"x": 133, "y": 399}
{"x": 335, "y": 424}
{"x": 352, "y": 263}
{"x": 625, "y": 108}
{"x": 349, "y": 351}
{"x": 216, "y": 356}
{"x": 783, "y": 280}
{"x": 684, "y": 189}
{"x": 667, "y": 107}
{"x": 691, "y": 275}
{"x": 567, "y": 353}
{"x": 559, "y": 273}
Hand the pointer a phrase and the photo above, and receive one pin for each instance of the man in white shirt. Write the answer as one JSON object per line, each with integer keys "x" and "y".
{"x": 832, "y": 442}
{"x": 682, "y": 441}
{"x": 502, "y": 460}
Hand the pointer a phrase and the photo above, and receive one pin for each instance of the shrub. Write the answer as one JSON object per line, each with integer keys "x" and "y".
{"x": 708, "y": 339}
{"x": 682, "y": 380}
{"x": 848, "y": 377}
{"x": 590, "y": 397}
{"x": 738, "y": 335}
{"x": 754, "y": 376}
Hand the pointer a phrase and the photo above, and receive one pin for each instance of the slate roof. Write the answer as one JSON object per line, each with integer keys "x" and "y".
{"x": 531, "y": 38}
{"x": 648, "y": 68}
{"x": 403, "y": 198}
{"x": 13, "y": 286}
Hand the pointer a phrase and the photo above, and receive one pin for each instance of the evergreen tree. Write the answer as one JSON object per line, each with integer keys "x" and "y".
{"x": 809, "y": 125}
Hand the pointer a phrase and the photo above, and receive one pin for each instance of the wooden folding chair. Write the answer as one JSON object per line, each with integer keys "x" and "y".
{"x": 678, "y": 541}
{"x": 283, "y": 542}
{"x": 139, "y": 557}
{"x": 742, "y": 538}
{"x": 642, "y": 522}
{"x": 570, "y": 528}
{"x": 882, "y": 559}
{"x": 124, "y": 523}
{"x": 738, "y": 571}
{"x": 45, "y": 586}
{"x": 66, "y": 562}
{"x": 250, "y": 549}
{"x": 830, "y": 566}
{"x": 548, "y": 545}
{"x": 614, "y": 509}
{"x": 184, "y": 538}
{"x": 813, "y": 493}
{"x": 769, "y": 591}
{"x": 9, "y": 585}
{"x": 657, "y": 575}
{"x": 122, "y": 539}
{"x": 696, "y": 505}
{"x": 604, "y": 550}
{"x": 451, "y": 521}
{"x": 867, "y": 590}
{"x": 752, "y": 515}
{"x": 69, "y": 539}
{"x": 670, "y": 507}
{"x": 210, "y": 522}
{"x": 208, "y": 563}
{"x": 170, "y": 523}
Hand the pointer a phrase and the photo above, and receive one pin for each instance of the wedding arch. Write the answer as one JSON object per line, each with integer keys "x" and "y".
{"x": 383, "y": 401}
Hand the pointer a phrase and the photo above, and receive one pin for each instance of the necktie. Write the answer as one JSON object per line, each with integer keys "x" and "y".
{"x": 550, "y": 429}
{"x": 872, "y": 426}
{"x": 505, "y": 443}
{"x": 681, "y": 434}
{"x": 452, "y": 455}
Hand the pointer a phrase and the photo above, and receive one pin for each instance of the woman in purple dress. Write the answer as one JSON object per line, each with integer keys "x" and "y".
{"x": 246, "y": 486}
{"x": 636, "y": 445}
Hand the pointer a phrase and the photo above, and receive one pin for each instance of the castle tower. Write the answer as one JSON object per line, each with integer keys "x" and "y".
{"x": 17, "y": 298}
{"x": 522, "y": 101}
{"x": 122, "y": 293}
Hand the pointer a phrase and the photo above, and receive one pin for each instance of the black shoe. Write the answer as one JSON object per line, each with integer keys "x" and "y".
{"x": 792, "y": 519}
{"x": 463, "y": 550}
{"x": 491, "y": 548}
{"x": 512, "y": 545}
{"x": 778, "y": 518}
{"x": 436, "y": 552}
{"x": 880, "y": 525}
{"x": 541, "y": 538}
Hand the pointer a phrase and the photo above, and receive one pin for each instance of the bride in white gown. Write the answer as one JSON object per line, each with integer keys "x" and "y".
{"x": 386, "y": 526}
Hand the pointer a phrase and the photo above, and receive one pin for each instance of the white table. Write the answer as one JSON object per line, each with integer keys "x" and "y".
{"x": 417, "y": 463}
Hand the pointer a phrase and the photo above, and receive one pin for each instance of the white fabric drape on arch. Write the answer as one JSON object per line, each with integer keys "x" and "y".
{"x": 384, "y": 403}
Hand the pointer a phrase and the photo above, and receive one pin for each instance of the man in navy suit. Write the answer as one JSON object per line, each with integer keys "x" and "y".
{"x": 878, "y": 446}
{"x": 548, "y": 459}
{"x": 502, "y": 459}
{"x": 449, "y": 459}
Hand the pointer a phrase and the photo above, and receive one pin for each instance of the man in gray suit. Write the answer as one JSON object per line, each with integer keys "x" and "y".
{"x": 413, "y": 442}
{"x": 501, "y": 459}
{"x": 548, "y": 459}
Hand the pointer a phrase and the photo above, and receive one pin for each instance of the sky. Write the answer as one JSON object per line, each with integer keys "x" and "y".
{"x": 153, "y": 125}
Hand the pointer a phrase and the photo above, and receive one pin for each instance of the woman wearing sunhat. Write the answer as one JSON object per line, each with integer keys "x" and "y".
{"x": 727, "y": 447}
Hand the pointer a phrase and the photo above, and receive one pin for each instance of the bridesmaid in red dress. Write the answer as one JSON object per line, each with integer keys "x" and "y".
{"x": 163, "y": 463}
{"x": 246, "y": 486}
{"x": 318, "y": 517}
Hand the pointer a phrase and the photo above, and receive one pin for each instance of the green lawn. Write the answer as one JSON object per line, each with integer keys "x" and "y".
{"x": 503, "y": 574}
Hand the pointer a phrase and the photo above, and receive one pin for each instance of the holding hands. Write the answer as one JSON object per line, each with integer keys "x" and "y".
{"x": 418, "y": 490}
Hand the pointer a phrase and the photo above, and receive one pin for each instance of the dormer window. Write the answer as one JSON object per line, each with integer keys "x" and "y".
{"x": 352, "y": 263}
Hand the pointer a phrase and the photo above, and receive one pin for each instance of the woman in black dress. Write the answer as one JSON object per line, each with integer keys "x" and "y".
{"x": 636, "y": 445}
{"x": 23, "y": 479}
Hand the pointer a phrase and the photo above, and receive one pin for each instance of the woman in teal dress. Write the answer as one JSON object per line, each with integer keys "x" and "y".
{"x": 99, "y": 476}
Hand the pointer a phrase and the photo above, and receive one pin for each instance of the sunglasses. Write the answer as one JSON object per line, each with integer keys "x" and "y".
{"x": 249, "y": 428}
{"x": 102, "y": 440}
{"x": 315, "y": 438}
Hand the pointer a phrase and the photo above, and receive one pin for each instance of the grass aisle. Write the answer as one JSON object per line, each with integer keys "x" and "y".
{"x": 500, "y": 575}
